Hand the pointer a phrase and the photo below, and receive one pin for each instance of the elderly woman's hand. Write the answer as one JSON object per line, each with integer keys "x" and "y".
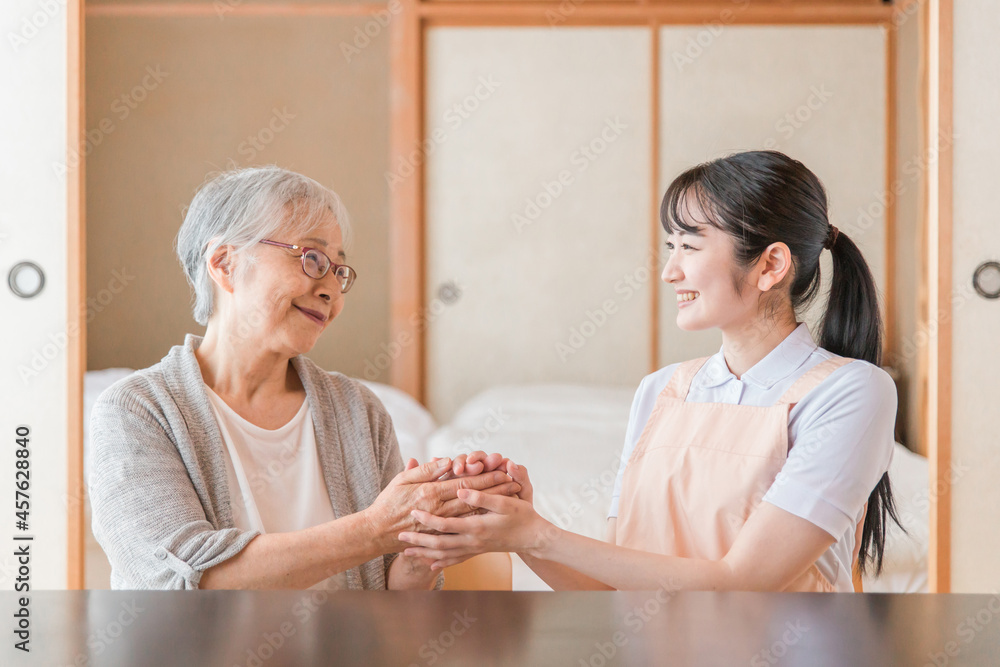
{"x": 422, "y": 489}
{"x": 509, "y": 524}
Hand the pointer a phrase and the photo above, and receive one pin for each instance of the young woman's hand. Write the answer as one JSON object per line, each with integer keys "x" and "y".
{"x": 419, "y": 487}
{"x": 510, "y": 524}
{"x": 520, "y": 475}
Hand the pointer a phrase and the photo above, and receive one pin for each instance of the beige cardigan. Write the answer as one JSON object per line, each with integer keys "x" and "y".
{"x": 158, "y": 488}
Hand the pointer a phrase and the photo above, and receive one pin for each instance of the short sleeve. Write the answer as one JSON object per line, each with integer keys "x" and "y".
{"x": 842, "y": 439}
{"x": 642, "y": 407}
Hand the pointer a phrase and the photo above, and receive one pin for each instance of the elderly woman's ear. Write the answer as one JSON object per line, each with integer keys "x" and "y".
{"x": 220, "y": 267}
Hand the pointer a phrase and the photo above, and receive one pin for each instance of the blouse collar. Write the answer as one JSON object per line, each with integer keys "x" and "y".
{"x": 779, "y": 363}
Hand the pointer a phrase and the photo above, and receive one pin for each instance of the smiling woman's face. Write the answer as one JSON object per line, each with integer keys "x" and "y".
{"x": 282, "y": 306}
{"x": 702, "y": 270}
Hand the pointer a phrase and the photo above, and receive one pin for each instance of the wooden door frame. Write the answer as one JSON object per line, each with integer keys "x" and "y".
{"x": 76, "y": 292}
{"x": 938, "y": 28}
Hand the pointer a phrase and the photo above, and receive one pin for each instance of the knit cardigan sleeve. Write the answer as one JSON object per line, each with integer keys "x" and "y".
{"x": 146, "y": 513}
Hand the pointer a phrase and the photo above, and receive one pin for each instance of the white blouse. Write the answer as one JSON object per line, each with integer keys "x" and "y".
{"x": 275, "y": 480}
{"x": 840, "y": 435}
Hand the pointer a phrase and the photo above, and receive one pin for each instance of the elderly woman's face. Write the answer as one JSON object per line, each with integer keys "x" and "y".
{"x": 278, "y": 302}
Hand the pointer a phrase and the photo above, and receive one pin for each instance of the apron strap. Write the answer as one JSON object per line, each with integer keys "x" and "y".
{"x": 680, "y": 381}
{"x": 812, "y": 378}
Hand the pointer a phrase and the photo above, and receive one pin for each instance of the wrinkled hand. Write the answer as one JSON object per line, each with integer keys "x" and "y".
{"x": 479, "y": 462}
{"x": 511, "y": 524}
{"x": 475, "y": 463}
{"x": 419, "y": 487}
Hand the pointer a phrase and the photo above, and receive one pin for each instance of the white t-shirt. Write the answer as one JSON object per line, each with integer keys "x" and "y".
{"x": 840, "y": 435}
{"x": 276, "y": 484}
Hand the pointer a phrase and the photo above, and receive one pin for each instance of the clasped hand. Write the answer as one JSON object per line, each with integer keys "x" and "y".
{"x": 497, "y": 521}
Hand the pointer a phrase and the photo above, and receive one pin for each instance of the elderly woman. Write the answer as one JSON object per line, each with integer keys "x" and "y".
{"x": 236, "y": 462}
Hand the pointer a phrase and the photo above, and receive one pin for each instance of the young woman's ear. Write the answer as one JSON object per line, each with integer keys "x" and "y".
{"x": 773, "y": 265}
{"x": 220, "y": 267}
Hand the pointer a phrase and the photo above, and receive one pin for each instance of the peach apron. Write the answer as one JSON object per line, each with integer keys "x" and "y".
{"x": 700, "y": 469}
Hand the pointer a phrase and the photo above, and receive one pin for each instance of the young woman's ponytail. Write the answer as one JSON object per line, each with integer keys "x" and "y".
{"x": 762, "y": 197}
{"x": 852, "y": 327}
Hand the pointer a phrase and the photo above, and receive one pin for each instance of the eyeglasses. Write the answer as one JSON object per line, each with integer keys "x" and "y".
{"x": 315, "y": 264}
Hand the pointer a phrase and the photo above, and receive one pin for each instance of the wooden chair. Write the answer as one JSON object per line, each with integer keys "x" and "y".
{"x": 485, "y": 572}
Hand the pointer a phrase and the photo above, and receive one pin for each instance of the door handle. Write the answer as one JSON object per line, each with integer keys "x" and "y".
{"x": 26, "y": 280}
{"x": 986, "y": 280}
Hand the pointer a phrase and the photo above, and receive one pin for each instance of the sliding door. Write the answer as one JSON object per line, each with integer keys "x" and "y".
{"x": 537, "y": 208}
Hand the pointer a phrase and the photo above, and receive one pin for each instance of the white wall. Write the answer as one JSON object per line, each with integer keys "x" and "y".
{"x": 976, "y": 321}
{"x": 33, "y": 209}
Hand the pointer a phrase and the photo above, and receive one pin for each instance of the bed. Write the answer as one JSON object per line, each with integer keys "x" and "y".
{"x": 569, "y": 437}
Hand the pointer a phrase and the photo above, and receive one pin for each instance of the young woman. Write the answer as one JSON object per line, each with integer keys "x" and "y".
{"x": 762, "y": 467}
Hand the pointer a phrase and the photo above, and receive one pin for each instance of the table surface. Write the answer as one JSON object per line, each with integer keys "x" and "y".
{"x": 256, "y": 628}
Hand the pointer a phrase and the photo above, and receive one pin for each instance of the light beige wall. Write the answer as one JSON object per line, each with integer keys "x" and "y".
{"x": 538, "y": 208}
{"x": 975, "y": 566}
{"x": 814, "y": 93}
{"x": 220, "y": 82}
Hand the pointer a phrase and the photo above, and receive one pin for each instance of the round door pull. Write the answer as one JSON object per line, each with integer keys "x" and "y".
{"x": 986, "y": 280}
{"x": 26, "y": 279}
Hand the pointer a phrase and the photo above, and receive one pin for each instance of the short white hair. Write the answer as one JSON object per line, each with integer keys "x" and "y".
{"x": 242, "y": 207}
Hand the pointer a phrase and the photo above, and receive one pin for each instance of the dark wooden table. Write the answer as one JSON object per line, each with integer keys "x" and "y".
{"x": 253, "y": 629}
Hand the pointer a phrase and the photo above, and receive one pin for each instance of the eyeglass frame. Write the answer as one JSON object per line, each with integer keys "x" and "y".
{"x": 302, "y": 256}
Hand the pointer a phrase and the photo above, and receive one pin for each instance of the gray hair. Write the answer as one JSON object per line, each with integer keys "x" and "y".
{"x": 240, "y": 208}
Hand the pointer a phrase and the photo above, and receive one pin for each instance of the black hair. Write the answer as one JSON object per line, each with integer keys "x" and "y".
{"x": 764, "y": 197}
